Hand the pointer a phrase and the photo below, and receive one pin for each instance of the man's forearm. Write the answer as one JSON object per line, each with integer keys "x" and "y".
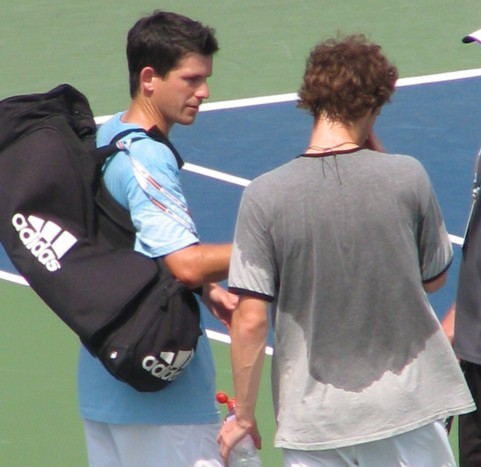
{"x": 200, "y": 264}
{"x": 249, "y": 335}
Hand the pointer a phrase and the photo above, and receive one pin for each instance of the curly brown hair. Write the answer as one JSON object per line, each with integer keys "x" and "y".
{"x": 344, "y": 78}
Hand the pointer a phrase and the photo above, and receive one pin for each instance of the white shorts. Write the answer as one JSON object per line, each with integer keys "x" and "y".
{"x": 152, "y": 445}
{"x": 425, "y": 447}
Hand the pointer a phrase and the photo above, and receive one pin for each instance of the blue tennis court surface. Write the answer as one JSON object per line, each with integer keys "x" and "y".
{"x": 438, "y": 123}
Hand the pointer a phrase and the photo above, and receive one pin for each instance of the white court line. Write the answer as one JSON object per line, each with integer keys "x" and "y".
{"x": 13, "y": 278}
{"x": 216, "y": 174}
{"x": 438, "y": 78}
{"x": 456, "y": 240}
{"x": 278, "y": 98}
{"x": 225, "y": 338}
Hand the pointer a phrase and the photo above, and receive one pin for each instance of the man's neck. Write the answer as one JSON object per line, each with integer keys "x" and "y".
{"x": 328, "y": 134}
{"x": 144, "y": 115}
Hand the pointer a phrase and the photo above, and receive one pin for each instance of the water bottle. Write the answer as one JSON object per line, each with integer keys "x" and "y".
{"x": 244, "y": 453}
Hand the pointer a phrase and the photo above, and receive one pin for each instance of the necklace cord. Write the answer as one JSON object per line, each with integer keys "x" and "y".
{"x": 331, "y": 148}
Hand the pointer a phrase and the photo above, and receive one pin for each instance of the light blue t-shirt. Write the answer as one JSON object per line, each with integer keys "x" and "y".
{"x": 190, "y": 399}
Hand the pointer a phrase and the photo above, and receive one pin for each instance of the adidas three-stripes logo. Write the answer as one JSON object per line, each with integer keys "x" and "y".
{"x": 44, "y": 239}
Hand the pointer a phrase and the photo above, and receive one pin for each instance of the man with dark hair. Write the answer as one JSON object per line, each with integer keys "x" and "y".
{"x": 170, "y": 58}
{"x": 345, "y": 241}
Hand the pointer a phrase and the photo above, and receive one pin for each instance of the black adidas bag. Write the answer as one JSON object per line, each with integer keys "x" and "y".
{"x": 126, "y": 308}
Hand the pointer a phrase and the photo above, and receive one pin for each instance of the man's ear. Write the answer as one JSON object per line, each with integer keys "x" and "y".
{"x": 377, "y": 111}
{"x": 147, "y": 78}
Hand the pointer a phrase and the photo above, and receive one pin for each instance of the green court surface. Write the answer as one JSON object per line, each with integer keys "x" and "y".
{"x": 39, "y": 423}
{"x": 263, "y": 49}
{"x": 263, "y": 43}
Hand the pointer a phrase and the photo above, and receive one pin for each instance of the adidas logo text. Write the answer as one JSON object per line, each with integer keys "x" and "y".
{"x": 170, "y": 365}
{"x": 44, "y": 239}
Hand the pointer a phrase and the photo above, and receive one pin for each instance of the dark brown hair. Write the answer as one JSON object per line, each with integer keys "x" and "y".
{"x": 161, "y": 40}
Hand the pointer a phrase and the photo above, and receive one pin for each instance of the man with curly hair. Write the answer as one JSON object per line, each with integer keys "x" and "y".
{"x": 345, "y": 241}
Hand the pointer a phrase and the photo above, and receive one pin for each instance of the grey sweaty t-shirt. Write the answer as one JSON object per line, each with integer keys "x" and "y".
{"x": 341, "y": 244}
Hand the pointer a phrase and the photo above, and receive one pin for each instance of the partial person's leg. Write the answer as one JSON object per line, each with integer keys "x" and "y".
{"x": 469, "y": 425}
{"x": 167, "y": 445}
{"x": 342, "y": 457}
{"x": 101, "y": 449}
{"x": 427, "y": 447}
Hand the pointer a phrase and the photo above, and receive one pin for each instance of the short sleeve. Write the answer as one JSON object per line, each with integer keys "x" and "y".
{"x": 252, "y": 268}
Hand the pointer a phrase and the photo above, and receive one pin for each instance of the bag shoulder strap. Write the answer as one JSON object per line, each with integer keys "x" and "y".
{"x": 114, "y": 222}
{"x": 105, "y": 151}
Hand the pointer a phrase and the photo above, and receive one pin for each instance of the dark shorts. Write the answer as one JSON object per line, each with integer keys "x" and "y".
{"x": 470, "y": 424}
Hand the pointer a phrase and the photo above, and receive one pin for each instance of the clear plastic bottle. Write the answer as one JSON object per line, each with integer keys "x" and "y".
{"x": 244, "y": 453}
